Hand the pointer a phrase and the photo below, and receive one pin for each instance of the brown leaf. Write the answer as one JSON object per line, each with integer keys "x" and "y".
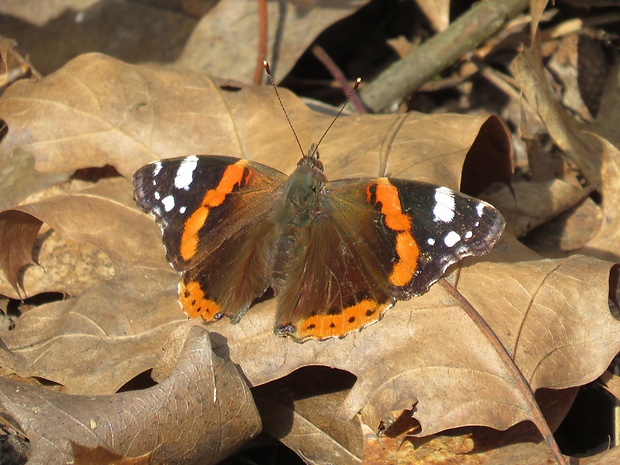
{"x": 19, "y": 179}
{"x": 204, "y": 410}
{"x": 19, "y": 230}
{"x": 567, "y": 133}
{"x": 552, "y": 315}
{"x": 299, "y": 411}
{"x": 131, "y": 31}
{"x": 609, "y": 111}
{"x": 427, "y": 350}
{"x": 158, "y": 113}
{"x": 101, "y": 456}
{"x": 534, "y": 203}
{"x": 230, "y": 32}
{"x": 611, "y": 382}
{"x": 86, "y": 339}
{"x": 437, "y": 12}
{"x": 606, "y": 243}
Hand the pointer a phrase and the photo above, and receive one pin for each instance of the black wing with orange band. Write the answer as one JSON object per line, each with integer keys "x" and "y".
{"x": 219, "y": 239}
{"x": 375, "y": 241}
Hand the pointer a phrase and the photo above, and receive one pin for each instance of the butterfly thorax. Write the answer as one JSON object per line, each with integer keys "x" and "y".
{"x": 300, "y": 202}
{"x": 299, "y": 208}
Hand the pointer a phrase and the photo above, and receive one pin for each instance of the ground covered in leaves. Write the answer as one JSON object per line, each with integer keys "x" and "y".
{"x": 516, "y": 102}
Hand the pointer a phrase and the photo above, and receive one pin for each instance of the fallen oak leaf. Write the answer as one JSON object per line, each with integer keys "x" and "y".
{"x": 427, "y": 350}
{"x": 202, "y": 412}
{"x": 101, "y": 456}
{"x": 19, "y": 179}
{"x": 396, "y": 138}
{"x": 141, "y": 117}
{"x": 407, "y": 322}
{"x": 19, "y": 230}
{"x": 82, "y": 342}
{"x": 298, "y": 410}
{"x": 520, "y": 382}
{"x": 606, "y": 242}
{"x": 566, "y": 132}
{"x": 229, "y": 31}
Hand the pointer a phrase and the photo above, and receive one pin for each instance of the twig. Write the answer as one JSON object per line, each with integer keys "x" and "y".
{"x": 339, "y": 76}
{"x": 439, "y": 52}
{"x": 262, "y": 41}
{"x": 521, "y": 383}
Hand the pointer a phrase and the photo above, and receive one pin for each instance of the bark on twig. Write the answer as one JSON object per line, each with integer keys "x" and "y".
{"x": 439, "y": 52}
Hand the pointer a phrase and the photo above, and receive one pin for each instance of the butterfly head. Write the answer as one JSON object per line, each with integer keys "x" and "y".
{"x": 311, "y": 159}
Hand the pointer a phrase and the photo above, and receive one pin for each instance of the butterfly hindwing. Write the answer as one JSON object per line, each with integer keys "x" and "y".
{"x": 347, "y": 274}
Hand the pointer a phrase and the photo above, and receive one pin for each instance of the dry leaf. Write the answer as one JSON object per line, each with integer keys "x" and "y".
{"x": 611, "y": 382}
{"x": 40, "y": 13}
{"x": 204, "y": 410}
{"x": 606, "y": 243}
{"x": 299, "y": 411}
{"x": 158, "y": 113}
{"x": 231, "y": 32}
{"x": 86, "y": 339}
{"x": 567, "y": 133}
{"x": 437, "y": 13}
{"x": 552, "y": 315}
{"x": 19, "y": 179}
{"x": 136, "y": 32}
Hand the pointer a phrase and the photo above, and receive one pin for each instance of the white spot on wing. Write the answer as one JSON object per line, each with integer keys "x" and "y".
{"x": 430, "y": 241}
{"x": 185, "y": 173}
{"x": 480, "y": 209}
{"x": 156, "y": 168}
{"x": 468, "y": 235}
{"x": 451, "y": 239}
{"x": 444, "y": 205}
{"x": 156, "y": 195}
{"x": 168, "y": 203}
{"x": 182, "y": 209}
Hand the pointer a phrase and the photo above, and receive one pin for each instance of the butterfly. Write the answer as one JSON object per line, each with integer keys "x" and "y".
{"x": 337, "y": 254}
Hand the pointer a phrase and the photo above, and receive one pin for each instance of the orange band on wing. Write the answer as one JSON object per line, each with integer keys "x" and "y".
{"x": 233, "y": 176}
{"x": 352, "y": 318}
{"x": 195, "y": 304}
{"x": 407, "y": 249}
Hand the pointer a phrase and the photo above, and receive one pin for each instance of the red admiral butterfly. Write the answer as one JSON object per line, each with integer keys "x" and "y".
{"x": 337, "y": 254}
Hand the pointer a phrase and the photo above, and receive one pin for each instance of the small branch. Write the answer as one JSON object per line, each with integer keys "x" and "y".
{"x": 521, "y": 383}
{"x": 439, "y": 52}
{"x": 262, "y": 41}
{"x": 339, "y": 76}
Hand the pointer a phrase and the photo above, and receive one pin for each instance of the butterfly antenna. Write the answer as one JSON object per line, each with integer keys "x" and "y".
{"x": 355, "y": 86}
{"x": 268, "y": 69}
{"x": 315, "y": 146}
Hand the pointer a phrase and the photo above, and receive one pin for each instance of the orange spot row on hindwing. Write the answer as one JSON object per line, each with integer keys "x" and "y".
{"x": 407, "y": 250}
{"x": 233, "y": 176}
{"x": 194, "y": 302}
{"x": 352, "y": 318}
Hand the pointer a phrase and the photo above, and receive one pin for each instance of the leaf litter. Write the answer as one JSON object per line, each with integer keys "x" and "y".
{"x": 552, "y": 315}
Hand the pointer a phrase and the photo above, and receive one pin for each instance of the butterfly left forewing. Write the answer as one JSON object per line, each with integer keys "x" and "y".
{"x": 213, "y": 213}
{"x": 200, "y": 200}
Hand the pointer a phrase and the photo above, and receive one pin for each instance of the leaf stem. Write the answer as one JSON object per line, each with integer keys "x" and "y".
{"x": 521, "y": 383}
